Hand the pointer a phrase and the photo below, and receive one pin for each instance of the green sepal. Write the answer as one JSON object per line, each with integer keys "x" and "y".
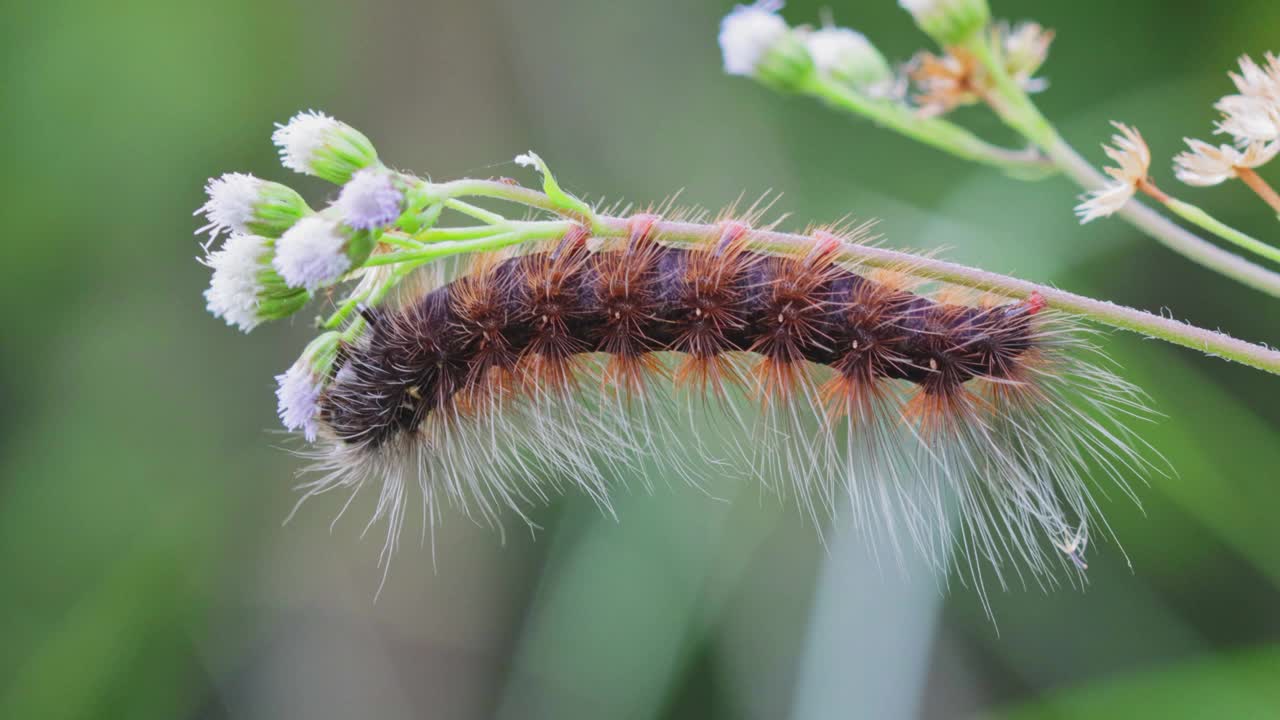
{"x": 322, "y": 351}
{"x": 360, "y": 245}
{"x": 954, "y": 22}
{"x": 422, "y": 208}
{"x": 277, "y": 307}
{"x": 346, "y": 152}
{"x": 278, "y": 208}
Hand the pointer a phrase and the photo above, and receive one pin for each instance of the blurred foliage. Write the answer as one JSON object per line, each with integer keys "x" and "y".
{"x": 140, "y": 496}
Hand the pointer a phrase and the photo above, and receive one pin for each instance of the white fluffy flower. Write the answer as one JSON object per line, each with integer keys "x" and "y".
{"x": 234, "y": 291}
{"x": 1104, "y": 202}
{"x": 369, "y": 200}
{"x": 312, "y": 253}
{"x": 1257, "y": 81}
{"x": 748, "y": 33}
{"x": 1026, "y": 47}
{"x": 1249, "y": 119}
{"x": 302, "y": 137}
{"x": 242, "y": 203}
{"x": 1130, "y": 152}
{"x": 230, "y": 207}
{"x": 1205, "y": 164}
{"x": 298, "y": 393}
{"x": 315, "y": 144}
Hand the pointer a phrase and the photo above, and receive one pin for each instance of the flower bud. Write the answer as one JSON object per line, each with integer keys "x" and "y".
{"x": 242, "y": 203}
{"x": 298, "y": 388}
{"x": 756, "y": 42}
{"x": 847, "y": 56}
{"x": 245, "y": 290}
{"x": 372, "y": 199}
{"x": 318, "y": 251}
{"x": 315, "y": 144}
{"x": 949, "y": 22}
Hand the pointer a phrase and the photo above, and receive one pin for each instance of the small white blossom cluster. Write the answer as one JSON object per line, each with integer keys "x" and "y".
{"x": 278, "y": 251}
{"x": 1205, "y": 165}
{"x": 1251, "y": 118}
{"x": 755, "y": 41}
{"x": 1253, "y": 115}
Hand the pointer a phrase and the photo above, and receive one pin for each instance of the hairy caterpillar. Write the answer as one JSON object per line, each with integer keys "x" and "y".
{"x": 566, "y": 363}
{"x": 580, "y": 349}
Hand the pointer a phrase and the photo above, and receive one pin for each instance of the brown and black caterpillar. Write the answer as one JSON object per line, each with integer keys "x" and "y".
{"x": 562, "y": 366}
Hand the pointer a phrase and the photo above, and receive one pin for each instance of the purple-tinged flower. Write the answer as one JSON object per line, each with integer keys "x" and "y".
{"x": 312, "y": 253}
{"x": 370, "y": 200}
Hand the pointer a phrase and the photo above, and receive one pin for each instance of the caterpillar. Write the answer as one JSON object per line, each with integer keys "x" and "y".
{"x": 565, "y": 363}
{"x": 586, "y": 350}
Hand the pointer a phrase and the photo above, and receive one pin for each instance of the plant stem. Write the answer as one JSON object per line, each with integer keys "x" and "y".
{"x": 498, "y": 190}
{"x": 1196, "y": 216}
{"x": 935, "y": 132}
{"x": 1259, "y": 186}
{"x": 477, "y": 213}
{"x": 497, "y": 239}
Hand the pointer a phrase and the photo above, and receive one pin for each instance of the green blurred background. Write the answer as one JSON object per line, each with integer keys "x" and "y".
{"x": 142, "y": 485}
